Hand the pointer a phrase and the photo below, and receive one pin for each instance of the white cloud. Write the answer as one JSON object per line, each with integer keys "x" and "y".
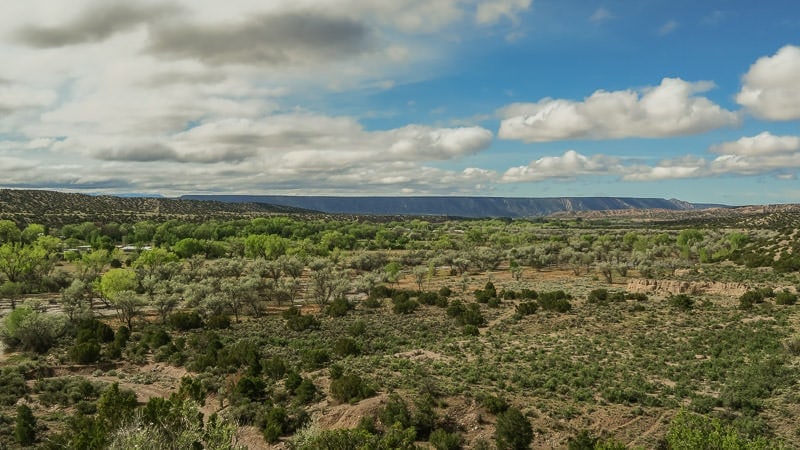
{"x": 668, "y": 170}
{"x": 492, "y": 11}
{"x": 569, "y": 165}
{"x": 669, "y": 109}
{"x": 771, "y": 89}
{"x": 762, "y": 154}
{"x": 762, "y": 144}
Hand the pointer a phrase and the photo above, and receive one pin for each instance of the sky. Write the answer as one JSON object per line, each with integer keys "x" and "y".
{"x": 698, "y": 101}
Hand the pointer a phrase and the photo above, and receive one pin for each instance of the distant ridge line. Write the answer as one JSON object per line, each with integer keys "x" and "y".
{"x": 458, "y": 206}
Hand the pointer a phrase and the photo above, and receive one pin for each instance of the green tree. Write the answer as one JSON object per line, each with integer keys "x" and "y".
{"x": 327, "y": 283}
{"x": 267, "y": 246}
{"x": 157, "y": 262}
{"x": 74, "y": 300}
{"x": 128, "y": 305}
{"x": 115, "y": 406}
{"x": 115, "y": 281}
{"x": 9, "y": 232}
{"x": 513, "y": 431}
{"x": 32, "y": 232}
{"x": 690, "y": 431}
{"x": 12, "y": 290}
{"x": 25, "y": 426}
{"x": 32, "y": 330}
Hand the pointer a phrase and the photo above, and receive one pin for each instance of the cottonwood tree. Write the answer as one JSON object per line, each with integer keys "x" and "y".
{"x": 115, "y": 281}
{"x": 158, "y": 262}
{"x": 91, "y": 264}
{"x": 9, "y": 232}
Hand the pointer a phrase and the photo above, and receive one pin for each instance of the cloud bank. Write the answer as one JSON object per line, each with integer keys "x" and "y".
{"x": 669, "y": 109}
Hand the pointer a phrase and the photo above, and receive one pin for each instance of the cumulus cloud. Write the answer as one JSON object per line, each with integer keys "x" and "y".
{"x": 672, "y": 108}
{"x": 568, "y": 165}
{"x": 96, "y": 23}
{"x": 270, "y": 39}
{"x": 492, "y": 11}
{"x": 764, "y": 143}
{"x": 762, "y": 154}
{"x": 314, "y": 142}
{"x": 770, "y": 88}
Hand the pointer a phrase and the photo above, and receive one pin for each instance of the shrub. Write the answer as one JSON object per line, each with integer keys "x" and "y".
{"x": 185, "y": 321}
{"x": 93, "y": 330}
{"x": 445, "y": 291}
{"x": 494, "y": 404}
{"x": 507, "y": 294}
{"x": 513, "y": 430}
{"x": 638, "y": 296}
{"x": 274, "y": 367}
{"x": 218, "y": 322}
{"x": 346, "y": 346}
{"x": 305, "y": 392}
{"x": 402, "y": 304}
{"x": 85, "y": 352}
{"x": 428, "y": 298}
{"x": 526, "y": 308}
{"x": 12, "y": 385}
{"x": 528, "y": 294}
{"x": 32, "y": 330}
{"x": 338, "y": 307}
{"x": 25, "y": 426}
{"x": 357, "y": 328}
{"x": 293, "y": 381}
{"x": 442, "y": 440}
{"x": 691, "y": 431}
{"x": 616, "y": 297}
{"x": 350, "y": 389}
{"x": 297, "y": 321}
{"x": 785, "y": 298}
{"x": 472, "y": 316}
{"x": 336, "y": 371}
{"x": 372, "y": 302}
{"x": 487, "y": 293}
{"x": 471, "y": 330}
{"x": 155, "y": 336}
{"x": 750, "y": 298}
{"x": 315, "y": 358}
{"x": 275, "y": 424}
{"x": 382, "y": 291}
{"x": 395, "y": 412}
{"x": 681, "y": 301}
{"x": 456, "y": 309}
{"x": 597, "y": 296}
{"x": 251, "y": 388}
{"x": 557, "y": 301}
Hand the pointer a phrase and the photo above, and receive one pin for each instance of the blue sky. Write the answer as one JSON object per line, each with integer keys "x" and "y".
{"x": 678, "y": 99}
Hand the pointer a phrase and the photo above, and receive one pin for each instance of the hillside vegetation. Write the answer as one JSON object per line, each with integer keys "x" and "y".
{"x": 59, "y": 208}
{"x": 312, "y": 332}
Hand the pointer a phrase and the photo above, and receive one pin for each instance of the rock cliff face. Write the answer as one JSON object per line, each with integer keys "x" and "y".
{"x": 666, "y": 287}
